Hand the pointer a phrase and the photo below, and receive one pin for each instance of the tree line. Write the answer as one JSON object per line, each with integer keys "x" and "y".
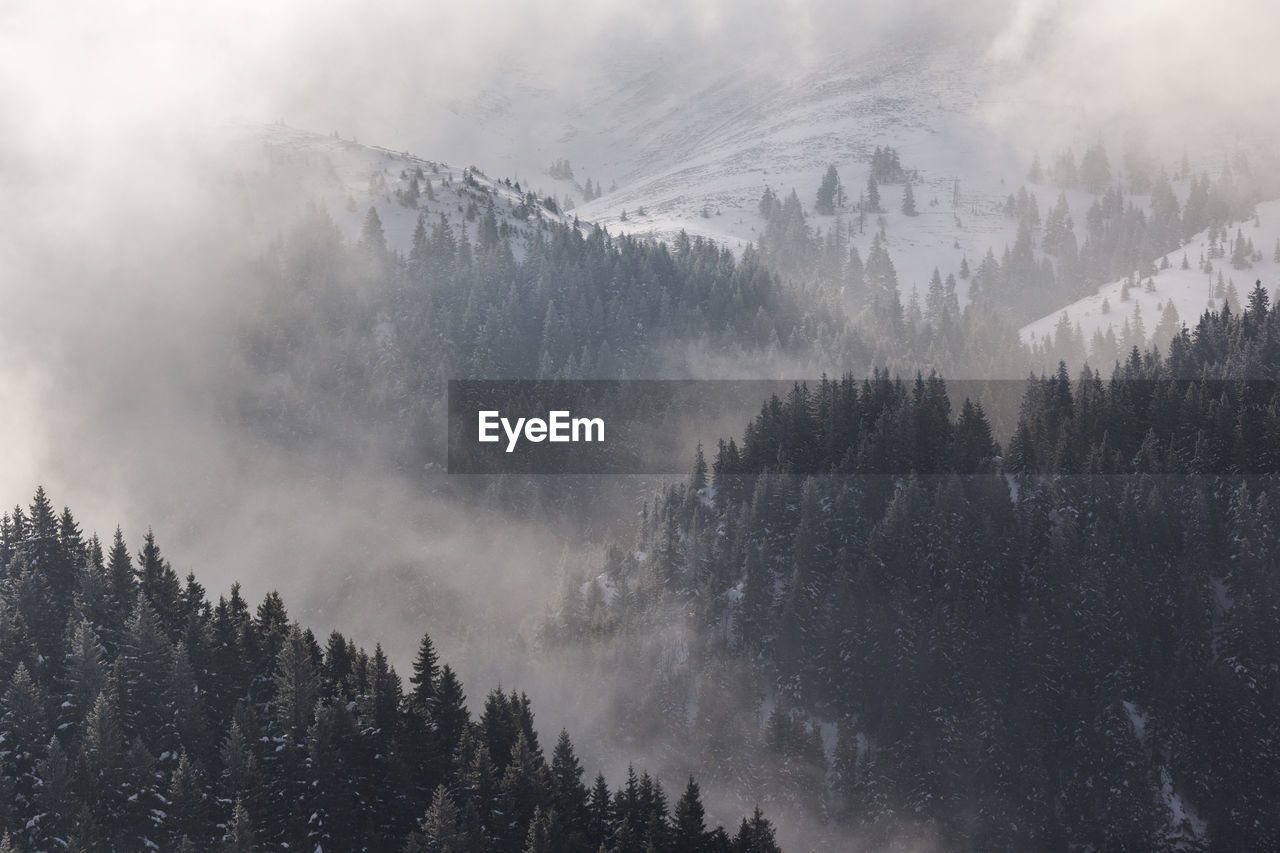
{"x": 138, "y": 714}
{"x": 1071, "y": 648}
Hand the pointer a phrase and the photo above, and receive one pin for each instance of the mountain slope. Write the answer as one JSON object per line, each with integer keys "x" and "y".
{"x": 282, "y": 168}
{"x": 1191, "y": 291}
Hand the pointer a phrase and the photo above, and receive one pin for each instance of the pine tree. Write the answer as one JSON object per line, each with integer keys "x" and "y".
{"x": 698, "y": 480}
{"x": 569, "y": 794}
{"x": 480, "y": 819}
{"x": 690, "y": 830}
{"x": 372, "y": 239}
{"x": 100, "y": 769}
{"x": 144, "y": 663}
{"x": 296, "y": 686}
{"x": 524, "y": 787}
{"x": 82, "y": 680}
{"x": 1259, "y": 304}
{"x": 24, "y": 736}
{"x": 935, "y": 298}
{"x": 1036, "y": 174}
{"x": 452, "y": 717}
{"x": 1168, "y": 326}
{"x": 240, "y": 781}
{"x": 827, "y": 192}
{"x": 440, "y": 831}
{"x": 35, "y": 612}
{"x": 951, "y": 301}
{"x": 143, "y": 807}
{"x": 600, "y": 814}
{"x": 882, "y": 285}
{"x": 973, "y": 445}
{"x": 426, "y": 674}
{"x": 336, "y": 788}
{"x": 756, "y": 835}
{"x": 54, "y": 795}
{"x": 185, "y": 725}
{"x": 239, "y": 835}
{"x": 70, "y": 538}
{"x": 268, "y": 633}
{"x": 873, "y": 195}
{"x": 159, "y": 583}
{"x": 46, "y": 555}
{"x": 120, "y": 568}
{"x": 426, "y": 759}
{"x": 187, "y": 812}
{"x": 908, "y": 200}
{"x": 539, "y": 838}
{"x": 1095, "y": 170}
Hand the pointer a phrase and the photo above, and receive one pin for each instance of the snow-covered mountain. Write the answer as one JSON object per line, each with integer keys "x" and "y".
{"x": 284, "y": 167}
{"x": 693, "y": 153}
{"x": 1191, "y": 291}
{"x": 697, "y": 156}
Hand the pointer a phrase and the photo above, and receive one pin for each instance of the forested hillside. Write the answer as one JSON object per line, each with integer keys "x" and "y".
{"x": 1070, "y": 643}
{"x": 136, "y": 714}
{"x": 856, "y": 424}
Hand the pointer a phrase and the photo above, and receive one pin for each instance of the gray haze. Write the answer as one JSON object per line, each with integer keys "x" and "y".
{"x": 119, "y": 251}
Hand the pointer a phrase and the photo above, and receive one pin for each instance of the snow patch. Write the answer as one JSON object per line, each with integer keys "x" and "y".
{"x": 1137, "y": 719}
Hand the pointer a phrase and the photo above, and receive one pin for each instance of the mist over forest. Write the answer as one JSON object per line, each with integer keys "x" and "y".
{"x": 987, "y": 565}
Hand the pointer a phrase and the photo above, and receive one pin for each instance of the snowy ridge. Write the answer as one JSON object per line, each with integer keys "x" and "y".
{"x": 288, "y": 167}
{"x": 1191, "y": 291}
{"x": 697, "y": 152}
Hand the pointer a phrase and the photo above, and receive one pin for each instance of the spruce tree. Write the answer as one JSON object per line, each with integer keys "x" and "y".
{"x": 756, "y": 835}
{"x": 698, "y": 481}
{"x": 53, "y": 797}
{"x": 240, "y": 781}
{"x": 452, "y": 718}
{"x": 238, "y": 836}
{"x": 873, "y": 195}
{"x": 426, "y": 674}
{"x": 336, "y": 790}
{"x": 825, "y": 203}
{"x": 100, "y": 768}
{"x": 1258, "y": 303}
{"x": 600, "y": 814}
{"x": 120, "y": 568}
{"x": 143, "y": 663}
{"x": 24, "y": 737}
{"x": 440, "y": 830}
{"x": 569, "y": 794}
{"x": 82, "y": 680}
{"x": 689, "y": 830}
{"x": 372, "y": 239}
{"x": 159, "y": 583}
{"x": 187, "y": 811}
{"x": 935, "y": 298}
